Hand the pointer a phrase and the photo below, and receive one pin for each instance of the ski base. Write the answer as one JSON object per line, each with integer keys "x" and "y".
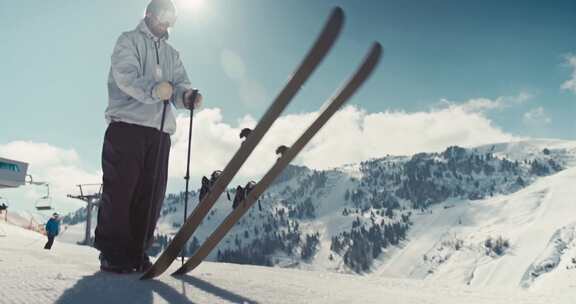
{"x": 352, "y": 85}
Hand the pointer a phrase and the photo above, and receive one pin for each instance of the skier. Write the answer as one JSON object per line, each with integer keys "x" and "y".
{"x": 52, "y": 230}
{"x": 145, "y": 71}
{"x": 4, "y": 209}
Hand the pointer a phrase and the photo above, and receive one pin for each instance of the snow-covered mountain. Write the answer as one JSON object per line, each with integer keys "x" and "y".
{"x": 492, "y": 215}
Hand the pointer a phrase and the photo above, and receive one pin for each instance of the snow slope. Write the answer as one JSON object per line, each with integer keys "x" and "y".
{"x": 537, "y": 221}
{"x": 68, "y": 274}
{"x": 531, "y": 149}
{"x": 446, "y": 244}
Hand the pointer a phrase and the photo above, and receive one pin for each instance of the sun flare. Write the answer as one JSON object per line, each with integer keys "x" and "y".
{"x": 193, "y": 5}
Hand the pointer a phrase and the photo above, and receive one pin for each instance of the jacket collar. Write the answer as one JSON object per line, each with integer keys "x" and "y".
{"x": 143, "y": 27}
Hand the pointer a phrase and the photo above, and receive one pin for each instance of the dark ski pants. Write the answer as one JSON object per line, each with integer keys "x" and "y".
{"x": 50, "y": 242}
{"x": 129, "y": 157}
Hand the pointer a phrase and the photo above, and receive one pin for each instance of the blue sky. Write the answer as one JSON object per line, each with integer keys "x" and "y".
{"x": 503, "y": 62}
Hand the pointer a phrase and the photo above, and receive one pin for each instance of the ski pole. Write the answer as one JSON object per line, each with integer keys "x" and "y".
{"x": 187, "y": 177}
{"x": 154, "y": 184}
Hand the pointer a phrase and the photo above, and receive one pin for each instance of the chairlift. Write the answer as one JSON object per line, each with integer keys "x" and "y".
{"x": 45, "y": 202}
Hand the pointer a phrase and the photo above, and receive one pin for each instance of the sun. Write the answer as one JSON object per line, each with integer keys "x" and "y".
{"x": 191, "y": 5}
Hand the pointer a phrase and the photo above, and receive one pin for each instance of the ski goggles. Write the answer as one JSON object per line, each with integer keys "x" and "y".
{"x": 166, "y": 17}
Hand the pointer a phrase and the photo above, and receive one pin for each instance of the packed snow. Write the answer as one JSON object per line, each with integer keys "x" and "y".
{"x": 69, "y": 274}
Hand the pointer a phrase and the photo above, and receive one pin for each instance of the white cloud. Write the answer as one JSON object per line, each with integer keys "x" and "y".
{"x": 570, "y": 85}
{"x": 351, "y": 136}
{"x": 61, "y": 168}
{"x": 536, "y": 117}
{"x": 486, "y": 104}
{"x": 40, "y": 154}
{"x": 355, "y": 135}
{"x": 481, "y": 104}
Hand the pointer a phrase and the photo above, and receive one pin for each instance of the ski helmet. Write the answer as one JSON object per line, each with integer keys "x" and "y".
{"x": 163, "y": 10}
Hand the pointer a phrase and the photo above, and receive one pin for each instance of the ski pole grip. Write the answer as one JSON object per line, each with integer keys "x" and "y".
{"x": 192, "y": 98}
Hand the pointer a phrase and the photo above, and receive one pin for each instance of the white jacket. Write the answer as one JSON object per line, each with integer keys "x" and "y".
{"x": 133, "y": 74}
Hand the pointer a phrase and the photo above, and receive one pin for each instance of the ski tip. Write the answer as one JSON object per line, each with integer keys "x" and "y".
{"x": 338, "y": 12}
{"x": 377, "y": 48}
{"x": 337, "y": 15}
{"x": 373, "y": 57}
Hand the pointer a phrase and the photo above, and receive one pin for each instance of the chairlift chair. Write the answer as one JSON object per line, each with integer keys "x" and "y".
{"x": 45, "y": 202}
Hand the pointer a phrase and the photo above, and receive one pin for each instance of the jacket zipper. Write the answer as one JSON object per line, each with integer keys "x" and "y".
{"x": 156, "y": 44}
{"x": 159, "y": 73}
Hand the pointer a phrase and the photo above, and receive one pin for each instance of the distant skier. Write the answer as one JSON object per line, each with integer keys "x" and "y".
{"x": 145, "y": 71}
{"x": 52, "y": 230}
{"x": 4, "y": 209}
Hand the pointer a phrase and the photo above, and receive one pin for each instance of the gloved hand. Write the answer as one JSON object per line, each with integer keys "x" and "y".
{"x": 189, "y": 102}
{"x": 162, "y": 90}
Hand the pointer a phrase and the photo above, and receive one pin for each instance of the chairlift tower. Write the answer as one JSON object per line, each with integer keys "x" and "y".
{"x": 92, "y": 200}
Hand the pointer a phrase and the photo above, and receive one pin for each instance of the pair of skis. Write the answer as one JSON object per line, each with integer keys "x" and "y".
{"x": 321, "y": 47}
